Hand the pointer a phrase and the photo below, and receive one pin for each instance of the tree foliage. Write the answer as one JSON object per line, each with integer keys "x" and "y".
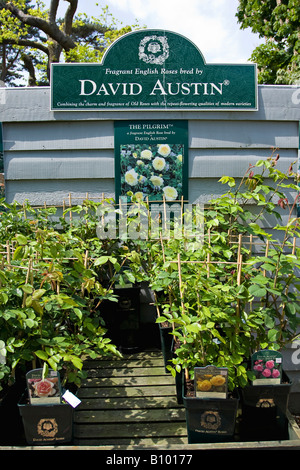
{"x": 32, "y": 37}
{"x": 278, "y": 21}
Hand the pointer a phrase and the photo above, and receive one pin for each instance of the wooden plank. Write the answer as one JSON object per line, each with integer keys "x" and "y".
{"x": 127, "y": 416}
{"x": 137, "y": 442}
{"x": 127, "y": 403}
{"x": 130, "y": 362}
{"x": 54, "y": 191}
{"x": 243, "y": 134}
{"x": 129, "y": 400}
{"x": 32, "y": 104}
{"x": 59, "y": 136}
{"x": 166, "y": 390}
{"x": 233, "y": 162}
{"x": 132, "y": 430}
{"x": 136, "y": 356}
{"x": 68, "y": 164}
{"x": 128, "y": 381}
{"x": 140, "y": 442}
{"x": 126, "y": 372}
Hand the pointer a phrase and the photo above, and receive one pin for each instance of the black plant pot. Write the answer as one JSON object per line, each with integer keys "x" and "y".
{"x": 178, "y": 384}
{"x": 264, "y": 410}
{"x": 122, "y": 319}
{"x": 47, "y": 424}
{"x": 166, "y": 341}
{"x": 210, "y": 419}
{"x": 11, "y": 429}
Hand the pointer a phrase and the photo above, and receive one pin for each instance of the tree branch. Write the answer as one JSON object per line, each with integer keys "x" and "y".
{"x": 70, "y": 13}
{"x": 49, "y": 28}
{"x": 26, "y": 43}
{"x": 30, "y": 69}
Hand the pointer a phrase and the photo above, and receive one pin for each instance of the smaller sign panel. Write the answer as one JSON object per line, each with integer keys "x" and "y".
{"x": 43, "y": 390}
{"x": 211, "y": 382}
{"x": 151, "y": 160}
{"x": 267, "y": 367}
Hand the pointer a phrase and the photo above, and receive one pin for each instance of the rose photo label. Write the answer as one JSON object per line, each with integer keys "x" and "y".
{"x": 211, "y": 382}
{"x": 267, "y": 367}
{"x": 43, "y": 390}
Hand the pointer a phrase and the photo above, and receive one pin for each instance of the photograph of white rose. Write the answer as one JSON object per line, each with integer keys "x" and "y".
{"x": 152, "y": 171}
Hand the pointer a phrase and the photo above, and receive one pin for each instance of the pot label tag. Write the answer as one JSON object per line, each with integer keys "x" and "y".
{"x": 267, "y": 367}
{"x": 211, "y": 382}
{"x": 43, "y": 390}
{"x": 70, "y": 398}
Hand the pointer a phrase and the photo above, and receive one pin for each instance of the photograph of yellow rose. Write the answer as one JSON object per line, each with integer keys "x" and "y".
{"x": 211, "y": 382}
{"x": 153, "y": 171}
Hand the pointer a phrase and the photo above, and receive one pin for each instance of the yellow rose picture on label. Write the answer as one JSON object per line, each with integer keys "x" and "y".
{"x": 211, "y": 382}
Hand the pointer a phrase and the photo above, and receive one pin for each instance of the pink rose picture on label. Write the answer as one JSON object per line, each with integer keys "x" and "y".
{"x": 43, "y": 389}
{"x": 267, "y": 365}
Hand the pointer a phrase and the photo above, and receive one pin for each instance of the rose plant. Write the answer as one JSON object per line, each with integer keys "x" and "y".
{"x": 224, "y": 301}
{"x": 229, "y": 301}
{"x": 50, "y": 293}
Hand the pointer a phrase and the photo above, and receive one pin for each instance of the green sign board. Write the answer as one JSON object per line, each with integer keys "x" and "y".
{"x": 152, "y": 70}
{"x": 151, "y": 160}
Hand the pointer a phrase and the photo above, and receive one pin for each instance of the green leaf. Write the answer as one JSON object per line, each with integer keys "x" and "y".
{"x": 161, "y": 319}
{"x": 130, "y": 276}
{"x": 257, "y": 291}
{"x": 37, "y": 294}
{"x": 194, "y": 328}
{"x": 77, "y": 362}
{"x": 45, "y": 370}
{"x": 273, "y": 335}
{"x": 269, "y": 322}
{"x": 291, "y": 308}
{"x": 3, "y": 298}
{"x": 27, "y": 288}
{"x": 37, "y": 307}
{"x": 268, "y": 267}
{"x": 18, "y": 253}
{"x": 52, "y": 363}
{"x": 21, "y": 239}
{"x": 41, "y": 355}
{"x": 101, "y": 260}
{"x": 30, "y": 323}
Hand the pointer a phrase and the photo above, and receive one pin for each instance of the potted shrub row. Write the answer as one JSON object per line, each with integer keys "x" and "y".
{"x": 226, "y": 295}
{"x": 52, "y": 285}
{"x": 237, "y": 294}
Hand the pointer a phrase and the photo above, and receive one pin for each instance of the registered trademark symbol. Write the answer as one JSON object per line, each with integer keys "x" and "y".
{"x": 226, "y": 82}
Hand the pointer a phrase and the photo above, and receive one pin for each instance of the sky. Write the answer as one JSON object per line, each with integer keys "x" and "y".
{"x": 210, "y": 24}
